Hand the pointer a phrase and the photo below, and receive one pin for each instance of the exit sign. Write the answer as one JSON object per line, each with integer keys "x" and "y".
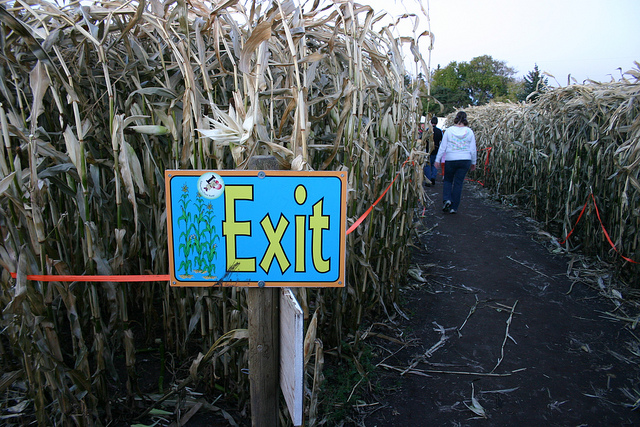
{"x": 256, "y": 228}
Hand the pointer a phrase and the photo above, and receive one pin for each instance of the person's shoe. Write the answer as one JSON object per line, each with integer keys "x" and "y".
{"x": 452, "y": 211}
{"x": 447, "y": 206}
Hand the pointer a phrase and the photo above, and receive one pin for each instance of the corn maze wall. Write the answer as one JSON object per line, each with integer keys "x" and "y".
{"x": 96, "y": 101}
{"x": 549, "y": 156}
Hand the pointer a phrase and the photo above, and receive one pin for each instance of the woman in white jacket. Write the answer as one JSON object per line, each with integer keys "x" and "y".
{"x": 457, "y": 154}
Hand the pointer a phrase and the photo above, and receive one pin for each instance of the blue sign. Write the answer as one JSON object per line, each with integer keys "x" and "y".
{"x": 256, "y": 228}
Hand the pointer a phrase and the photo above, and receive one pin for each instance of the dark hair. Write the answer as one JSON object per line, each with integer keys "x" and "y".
{"x": 434, "y": 120}
{"x": 461, "y": 117}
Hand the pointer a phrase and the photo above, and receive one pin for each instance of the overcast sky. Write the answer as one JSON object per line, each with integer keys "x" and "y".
{"x": 587, "y": 39}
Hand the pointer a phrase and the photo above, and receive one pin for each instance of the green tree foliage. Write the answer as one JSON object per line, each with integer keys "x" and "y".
{"x": 477, "y": 82}
{"x": 533, "y": 82}
{"x": 487, "y": 79}
{"x": 447, "y": 87}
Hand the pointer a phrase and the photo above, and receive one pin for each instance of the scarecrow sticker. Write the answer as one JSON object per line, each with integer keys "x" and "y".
{"x": 210, "y": 185}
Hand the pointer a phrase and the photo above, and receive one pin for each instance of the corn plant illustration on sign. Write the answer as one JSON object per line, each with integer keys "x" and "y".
{"x": 256, "y": 228}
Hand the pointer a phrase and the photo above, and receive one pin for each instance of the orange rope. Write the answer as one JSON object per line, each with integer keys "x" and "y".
{"x": 607, "y": 234}
{"x": 576, "y": 224}
{"x": 604, "y": 230}
{"x": 364, "y": 215}
{"x": 166, "y": 277}
{"x": 116, "y": 278}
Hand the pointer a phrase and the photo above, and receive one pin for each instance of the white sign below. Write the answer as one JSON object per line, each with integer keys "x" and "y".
{"x": 291, "y": 354}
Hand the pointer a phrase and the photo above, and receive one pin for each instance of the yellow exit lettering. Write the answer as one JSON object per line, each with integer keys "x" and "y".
{"x": 232, "y": 228}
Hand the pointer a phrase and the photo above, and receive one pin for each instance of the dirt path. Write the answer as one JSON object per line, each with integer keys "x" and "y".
{"x": 498, "y": 309}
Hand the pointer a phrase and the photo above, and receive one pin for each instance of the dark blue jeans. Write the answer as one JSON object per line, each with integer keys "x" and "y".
{"x": 431, "y": 172}
{"x": 454, "y": 173}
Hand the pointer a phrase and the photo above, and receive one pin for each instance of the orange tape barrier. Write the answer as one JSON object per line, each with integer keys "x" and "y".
{"x": 117, "y": 278}
{"x": 486, "y": 161}
{"x": 166, "y": 277}
{"x": 576, "y": 224}
{"x": 604, "y": 230}
{"x": 486, "y": 164}
{"x": 364, "y": 215}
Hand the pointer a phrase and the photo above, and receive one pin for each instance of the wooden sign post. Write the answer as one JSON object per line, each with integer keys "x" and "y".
{"x": 264, "y": 355}
{"x": 264, "y": 339}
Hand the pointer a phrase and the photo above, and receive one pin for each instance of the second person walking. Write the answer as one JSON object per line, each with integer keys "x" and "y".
{"x": 457, "y": 154}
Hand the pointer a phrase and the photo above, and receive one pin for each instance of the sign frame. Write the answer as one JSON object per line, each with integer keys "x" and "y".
{"x": 197, "y": 181}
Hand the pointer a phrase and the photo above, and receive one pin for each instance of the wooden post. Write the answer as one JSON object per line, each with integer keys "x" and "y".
{"x": 264, "y": 339}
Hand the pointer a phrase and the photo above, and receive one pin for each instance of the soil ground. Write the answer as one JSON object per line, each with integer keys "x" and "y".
{"x": 500, "y": 334}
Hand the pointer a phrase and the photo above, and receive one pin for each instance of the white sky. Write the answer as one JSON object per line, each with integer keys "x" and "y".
{"x": 588, "y": 39}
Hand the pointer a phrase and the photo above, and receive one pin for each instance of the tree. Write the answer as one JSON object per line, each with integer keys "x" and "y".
{"x": 534, "y": 84}
{"x": 447, "y": 86}
{"x": 487, "y": 79}
{"x": 474, "y": 83}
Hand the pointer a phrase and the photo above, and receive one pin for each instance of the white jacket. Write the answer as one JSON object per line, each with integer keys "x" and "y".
{"x": 458, "y": 143}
